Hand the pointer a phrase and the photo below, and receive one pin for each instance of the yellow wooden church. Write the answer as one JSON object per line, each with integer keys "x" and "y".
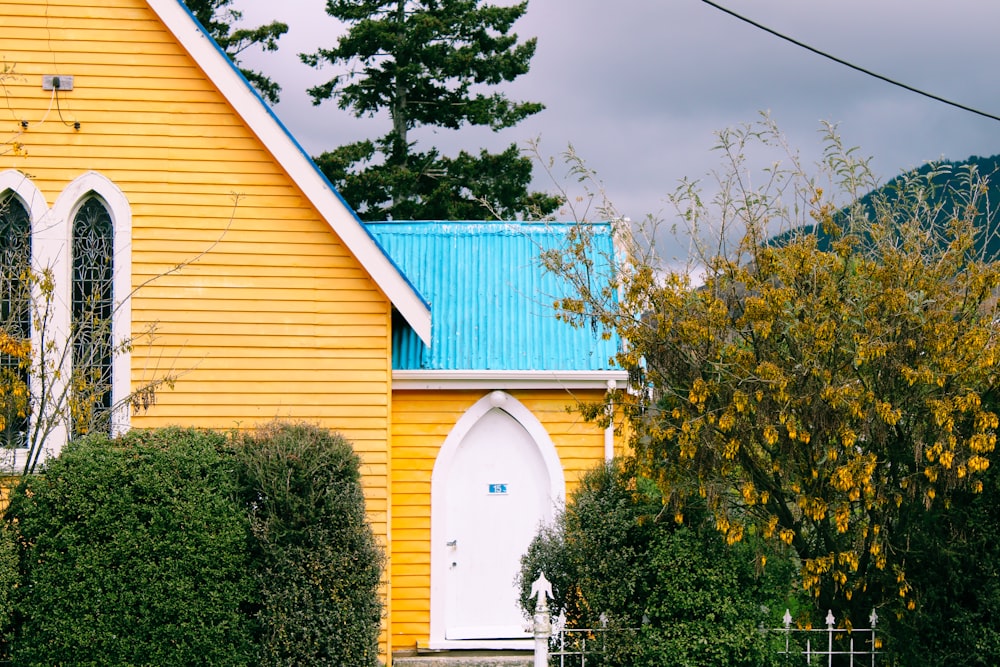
{"x": 235, "y": 267}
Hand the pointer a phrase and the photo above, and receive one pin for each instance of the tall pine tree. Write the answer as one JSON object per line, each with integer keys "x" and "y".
{"x": 217, "y": 17}
{"x": 429, "y": 63}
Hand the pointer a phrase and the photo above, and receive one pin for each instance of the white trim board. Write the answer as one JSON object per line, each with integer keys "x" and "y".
{"x": 480, "y": 644}
{"x": 300, "y": 168}
{"x": 415, "y": 380}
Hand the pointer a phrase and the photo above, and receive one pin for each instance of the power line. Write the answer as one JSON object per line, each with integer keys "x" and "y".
{"x": 851, "y": 65}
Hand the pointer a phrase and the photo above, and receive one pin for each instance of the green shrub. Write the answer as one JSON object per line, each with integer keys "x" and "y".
{"x": 593, "y": 554}
{"x": 8, "y": 584}
{"x": 706, "y": 606}
{"x": 133, "y": 552}
{"x": 316, "y": 559}
{"x": 953, "y": 566}
{"x": 672, "y": 594}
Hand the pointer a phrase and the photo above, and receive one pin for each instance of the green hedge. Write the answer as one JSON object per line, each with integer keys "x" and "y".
{"x": 9, "y": 580}
{"x": 184, "y": 547}
{"x": 133, "y": 552}
{"x": 317, "y": 562}
{"x": 672, "y": 594}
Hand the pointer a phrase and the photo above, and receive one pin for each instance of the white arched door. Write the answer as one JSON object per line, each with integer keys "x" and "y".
{"x": 497, "y": 478}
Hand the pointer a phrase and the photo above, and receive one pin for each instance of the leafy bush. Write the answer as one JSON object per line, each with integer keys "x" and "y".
{"x": 317, "y": 562}
{"x": 133, "y": 552}
{"x": 672, "y": 593}
{"x": 952, "y": 565}
{"x": 8, "y": 584}
{"x": 707, "y": 604}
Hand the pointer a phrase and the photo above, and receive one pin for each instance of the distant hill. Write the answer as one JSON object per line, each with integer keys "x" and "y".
{"x": 946, "y": 183}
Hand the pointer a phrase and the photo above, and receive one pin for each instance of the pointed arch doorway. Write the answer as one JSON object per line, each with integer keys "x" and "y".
{"x": 496, "y": 478}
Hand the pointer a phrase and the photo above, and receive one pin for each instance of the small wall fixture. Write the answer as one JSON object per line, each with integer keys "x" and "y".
{"x": 57, "y": 82}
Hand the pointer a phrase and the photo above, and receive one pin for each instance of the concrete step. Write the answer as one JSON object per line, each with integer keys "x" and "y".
{"x": 466, "y": 659}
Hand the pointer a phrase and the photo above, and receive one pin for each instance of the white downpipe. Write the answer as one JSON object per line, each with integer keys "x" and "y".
{"x": 609, "y": 432}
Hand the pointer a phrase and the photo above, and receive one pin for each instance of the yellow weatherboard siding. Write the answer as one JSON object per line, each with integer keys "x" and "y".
{"x": 254, "y": 302}
{"x": 421, "y": 421}
{"x": 272, "y": 317}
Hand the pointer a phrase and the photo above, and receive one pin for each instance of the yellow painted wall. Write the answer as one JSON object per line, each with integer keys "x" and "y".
{"x": 276, "y": 319}
{"x": 421, "y": 421}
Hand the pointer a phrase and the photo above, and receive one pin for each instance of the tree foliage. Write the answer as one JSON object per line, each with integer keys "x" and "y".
{"x": 218, "y": 17}
{"x": 816, "y": 398}
{"x": 133, "y": 551}
{"x": 952, "y": 556}
{"x": 316, "y": 561}
{"x": 671, "y": 593}
{"x": 428, "y": 63}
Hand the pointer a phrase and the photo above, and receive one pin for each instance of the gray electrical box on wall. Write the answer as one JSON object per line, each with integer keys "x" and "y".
{"x": 57, "y": 82}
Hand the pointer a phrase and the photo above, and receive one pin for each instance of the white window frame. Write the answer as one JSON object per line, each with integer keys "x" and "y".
{"x": 51, "y": 232}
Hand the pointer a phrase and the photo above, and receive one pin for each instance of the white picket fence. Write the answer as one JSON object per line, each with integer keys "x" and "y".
{"x": 577, "y": 646}
{"x": 559, "y": 646}
{"x": 832, "y": 645}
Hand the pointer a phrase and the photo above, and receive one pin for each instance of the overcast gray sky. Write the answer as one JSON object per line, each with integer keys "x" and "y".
{"x": 638, "y": 87}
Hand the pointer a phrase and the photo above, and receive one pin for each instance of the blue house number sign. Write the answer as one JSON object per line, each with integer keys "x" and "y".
{"x": 498, "y": 489}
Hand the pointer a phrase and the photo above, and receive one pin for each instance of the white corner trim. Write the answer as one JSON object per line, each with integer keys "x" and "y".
{"x": 446, "y": 455}
{"x": 259, "y": 118}
{"x": 413, "y": 380}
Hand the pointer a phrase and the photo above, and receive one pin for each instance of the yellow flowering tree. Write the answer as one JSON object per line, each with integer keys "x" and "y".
{"x": 816, "y": 391}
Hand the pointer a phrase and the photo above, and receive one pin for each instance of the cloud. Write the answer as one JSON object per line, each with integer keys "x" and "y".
{"x": 640, "y": 86}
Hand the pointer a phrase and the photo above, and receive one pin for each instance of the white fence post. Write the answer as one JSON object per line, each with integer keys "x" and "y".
{"x": 542, "y": 626}
{"x": 830, "y": 622}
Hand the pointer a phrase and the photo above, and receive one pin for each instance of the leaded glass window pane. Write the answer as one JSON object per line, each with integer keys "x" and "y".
{"x": 93, "y": 306}
{"x": 15, "y": 320}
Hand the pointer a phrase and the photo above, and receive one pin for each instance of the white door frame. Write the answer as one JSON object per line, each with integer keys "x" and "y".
{"x": 445, "y": 457}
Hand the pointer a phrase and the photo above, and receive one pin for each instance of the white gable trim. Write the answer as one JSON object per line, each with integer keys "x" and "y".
{"x": 293, "y": 159}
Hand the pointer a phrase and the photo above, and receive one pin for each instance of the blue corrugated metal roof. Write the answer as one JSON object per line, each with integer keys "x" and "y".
{"x": 491, "y": 300}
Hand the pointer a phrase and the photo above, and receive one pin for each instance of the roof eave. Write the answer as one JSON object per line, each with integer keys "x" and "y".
{"x": 300, "y": 167}
{"x": 412, "y": 380}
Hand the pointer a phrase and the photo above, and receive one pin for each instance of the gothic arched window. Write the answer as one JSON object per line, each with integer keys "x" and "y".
{"x": 15, "y": 320}
{"x": 93, "y": 309}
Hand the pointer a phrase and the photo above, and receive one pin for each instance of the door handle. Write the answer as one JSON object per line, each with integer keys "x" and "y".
{"x": 451, "y": 543}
